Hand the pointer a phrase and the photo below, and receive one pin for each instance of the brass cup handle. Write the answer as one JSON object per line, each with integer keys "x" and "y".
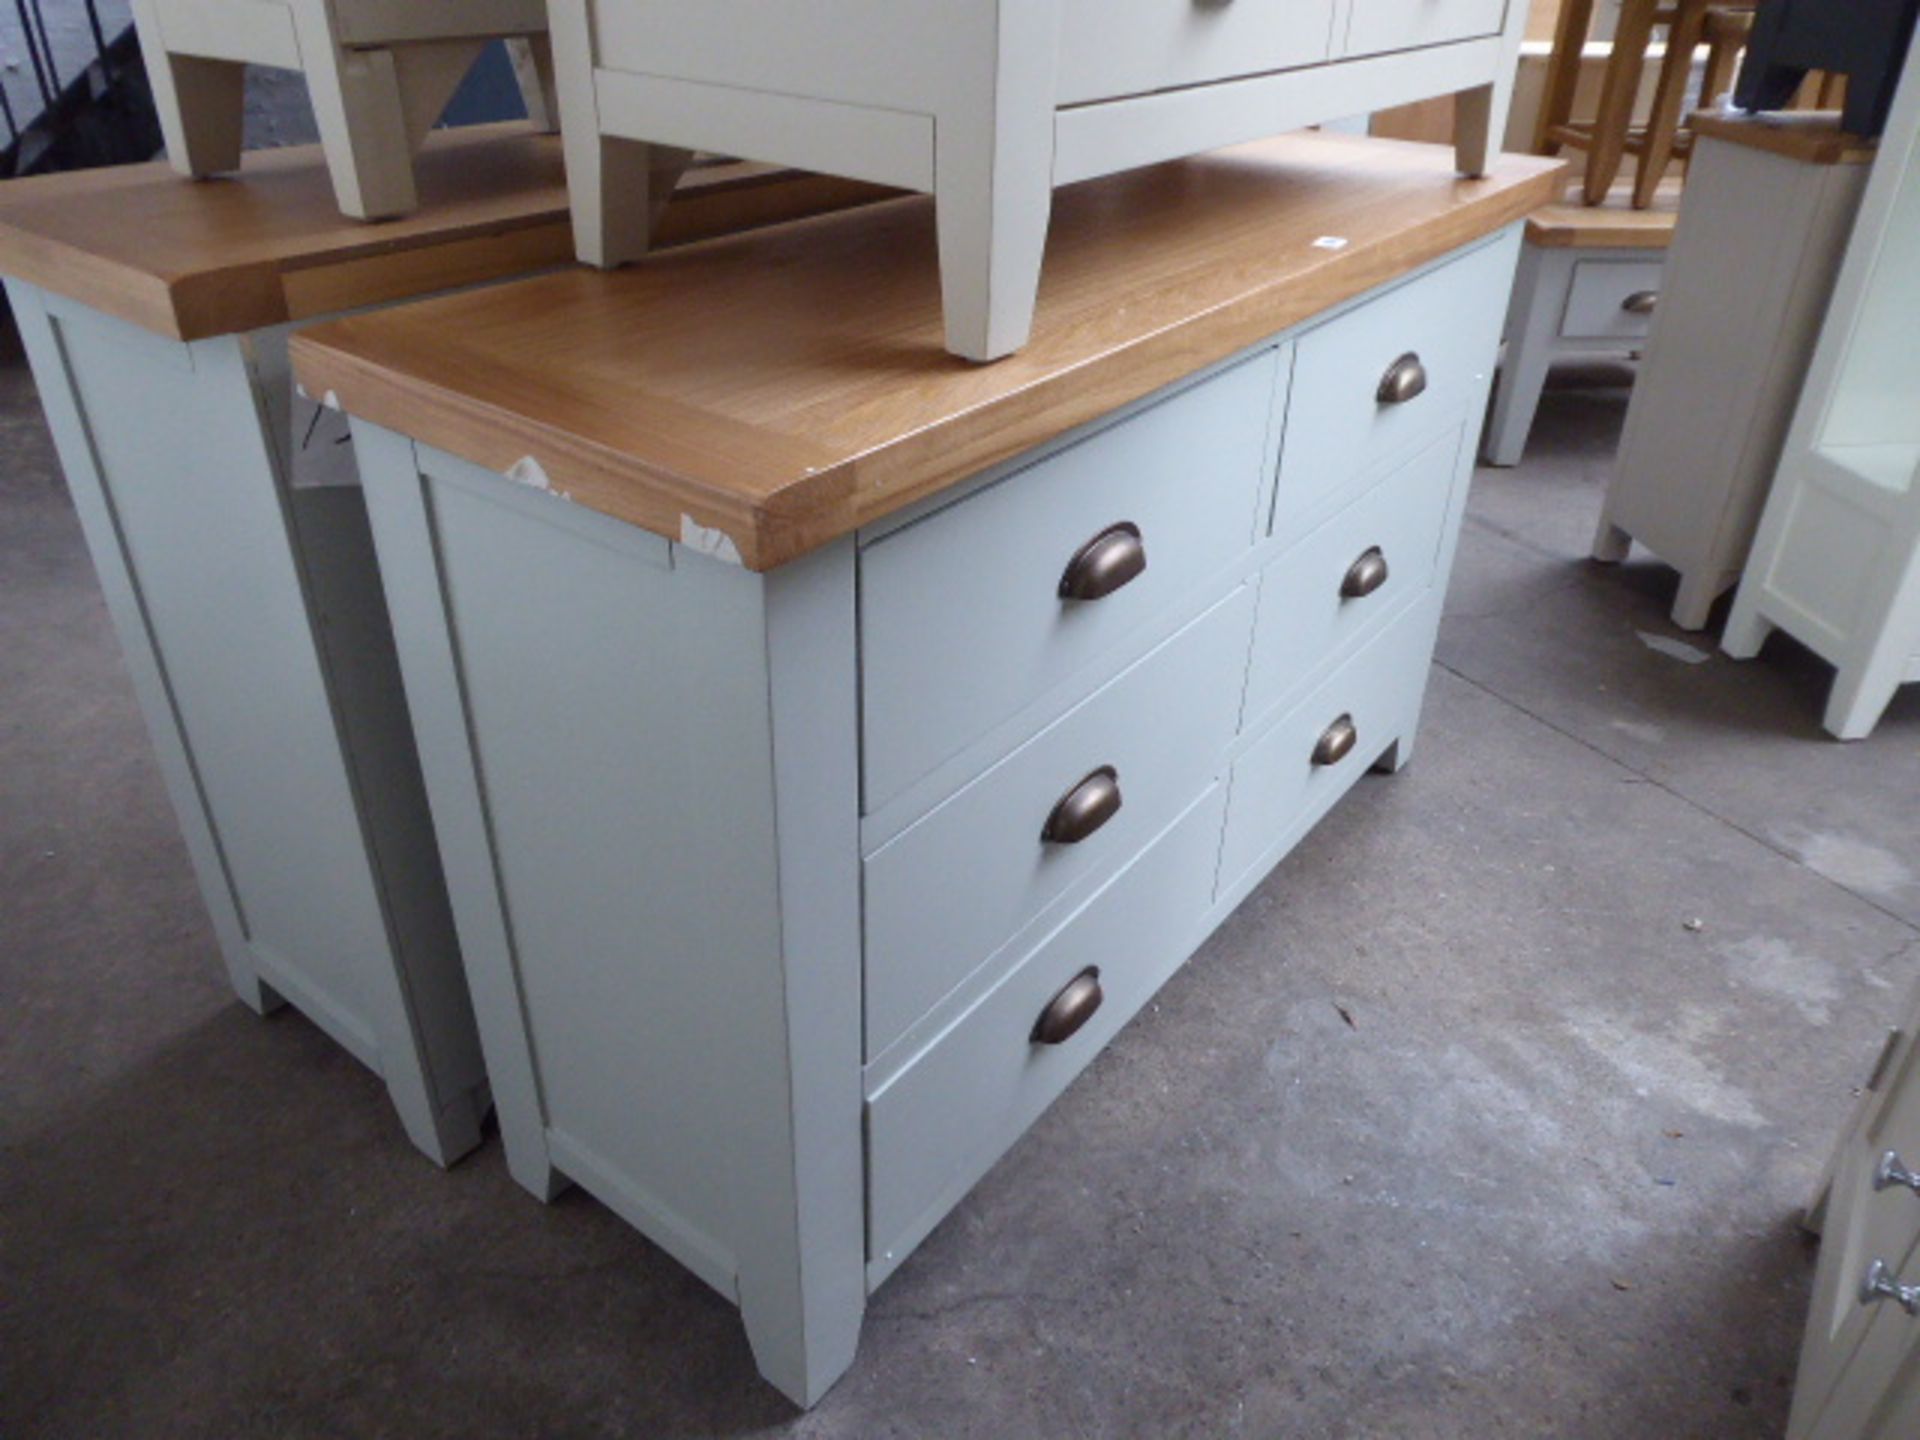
{"x": 1336, "y": 742}
{"x": 1106, "y": 562}
{"x": 1070, "y": 1009}
{"x": 1641, "y": 302}
{"x": 1405, "y": 378}
{"x": 1878, "y": 1284}
{"x": 1365, "y": 575}
{"x": 1084, "y": 808}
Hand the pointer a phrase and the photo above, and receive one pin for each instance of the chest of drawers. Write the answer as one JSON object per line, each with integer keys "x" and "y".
{"x": 804, "y": 852}
{"x": 989, "y": 104}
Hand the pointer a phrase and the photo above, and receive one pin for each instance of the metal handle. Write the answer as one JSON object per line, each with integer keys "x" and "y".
{"x": 1070, "y": 1009}
{"x": 1105, "y": 563}
{"x": 1641, "y": 302}
{"x": 1405, "y": 378}
{"x": 1365, "y": 575}
{"x": 1336, "y": 742}
{"x": 1879, "y": 1285}
{"x": 1084, "y": 808}
{"x": 1890, "y": 1172}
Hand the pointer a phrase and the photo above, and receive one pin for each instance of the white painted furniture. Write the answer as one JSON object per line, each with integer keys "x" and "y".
{"x": 1770, "y": 203}
{"x": 792, "y": 894}
{"x": 1859, "y": 1376}
{"x": 1588, "y": 282}
{"x": 378, "y": 73}
{"x": 1834, "y": 562}
{"x": 989, "y": 104}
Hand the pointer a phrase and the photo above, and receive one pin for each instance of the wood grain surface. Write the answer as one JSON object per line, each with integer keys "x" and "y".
{"x": 1811, "y": 136}
{"x": 1613, "y": 223}
{"x": 785, "y": 387}
{"x": 194, "y": 258}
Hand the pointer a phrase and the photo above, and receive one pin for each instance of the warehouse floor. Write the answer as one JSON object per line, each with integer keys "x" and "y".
{"x": 1488, "y": 1115}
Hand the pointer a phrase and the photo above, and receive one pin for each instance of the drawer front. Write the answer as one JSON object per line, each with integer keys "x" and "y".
{"x": 1280, "y": 785}
{"x": 1611, "y": 298}
{"x": 1155, "y": 735}
{"x": 962, "y": 623}
{"x": 1129, "y": 47}
{"x": 1343, "y": 419}
{"x": 1376, "y": 26}
{"x": 938, "y": 1125}
{"x": 1334, "y": 587}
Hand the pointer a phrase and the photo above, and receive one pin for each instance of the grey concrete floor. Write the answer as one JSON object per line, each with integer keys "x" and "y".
{"x": 1543, "y": 1181}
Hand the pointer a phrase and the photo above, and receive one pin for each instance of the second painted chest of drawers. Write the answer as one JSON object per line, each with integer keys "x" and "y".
{"x": 832, "y": 745}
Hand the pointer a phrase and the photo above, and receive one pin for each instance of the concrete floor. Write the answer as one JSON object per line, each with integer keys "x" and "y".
{"x": 1542, "y": 1183}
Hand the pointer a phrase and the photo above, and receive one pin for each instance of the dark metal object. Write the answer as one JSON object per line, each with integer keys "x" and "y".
{"x": 1405, "y": 378}
{"x": 1084, "y": 808}
{"x": 1865, "y": 40}
{"x": 1365, "y": 575}
{"x": 1105, "y": 563}
{"x": 1070, "y": 1009}
{"x": 1336, "y": 742}
{"x": 1641, "y": 302}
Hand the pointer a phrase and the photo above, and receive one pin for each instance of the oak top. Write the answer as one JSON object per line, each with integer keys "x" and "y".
{"x": 194, "y": 258}
{"x": 786, "y": 387}
{"x": 1813, "y": 137}
{"x": 1613, "y": 223}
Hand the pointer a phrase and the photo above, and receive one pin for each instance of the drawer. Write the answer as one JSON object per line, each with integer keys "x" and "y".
{"x": 1334, "y": 587}
{"x": 1611, "y": 298}
{"x": 1280, "y": 784}
{"x": 1375, "y": 26}
{"x": 1343, "y": 417}
{"x": 962, "y": 623}
{"x": 1155, "y": 735}
{"x": 1129, "y": 47}
{"x": 938, "y": 1125}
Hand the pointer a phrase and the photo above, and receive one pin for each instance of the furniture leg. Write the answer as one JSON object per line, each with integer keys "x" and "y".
{"x": 1479, "y": 120}
{"x": 1563, "y": 74}
{"x": 1861, "y": 693}
{"x": 1694, "y": 600}
{"x": 1610, "y": 543}
{"x": 1537, "y": 297}
{"x": 1670, "y": 91}
{"x": 1747, "y": 629}
{"x": 532, "y": 57}
{"x": 362, "y": 122}
{"x": 1630, "y": 40}
{"x": 200, "y": 102}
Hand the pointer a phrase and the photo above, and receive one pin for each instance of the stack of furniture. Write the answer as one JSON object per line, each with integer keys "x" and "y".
{"x": 990, "y": 104}
{"x": 378, "y": 73}
{"x": 1770, "y": 204}
{"x": 231, "y": 542}
{"x": 1834, "y": 562}
{"x": 1134, "y": 608}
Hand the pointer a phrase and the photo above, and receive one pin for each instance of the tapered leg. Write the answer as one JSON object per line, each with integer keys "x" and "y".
{"x": 618, "y": 190}
{"x": 1746, "y": 631}
{"x": 362, "y": 122}
{"x": 992, "y": 208}
{"x": 1611, "y": 543}
{"x": 1860, "y": 695}
{"x": 1693, "y": 601}
{"x": 532, "y": 57}
{"x": 1479, "y": 118}
{"x": 201, "y": 104}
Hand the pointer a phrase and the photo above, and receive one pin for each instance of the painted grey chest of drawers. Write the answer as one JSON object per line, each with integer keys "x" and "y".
{"x": 791, "y": 895}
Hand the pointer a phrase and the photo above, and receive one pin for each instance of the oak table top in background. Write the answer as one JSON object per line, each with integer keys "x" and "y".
{"x": 784, "y": 387}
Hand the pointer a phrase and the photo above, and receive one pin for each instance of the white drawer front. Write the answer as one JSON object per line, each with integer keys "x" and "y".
{"x": 1278, "y": 788}
{"x": 1338, "y": 426}
{"x": 1376, "y": 26}
{"x": 954, "y": 888}
{"x": 1325, "y": 594}
{"x": 1128, "y": 47}
{"x": 961, "y": 619}
{"x": 1610, "y": 298}
{"x": 939, "y": 1125}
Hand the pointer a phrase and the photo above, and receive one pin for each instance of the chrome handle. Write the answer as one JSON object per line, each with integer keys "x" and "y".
{"x": 1879, "y": 1285}
{"x": 1070, "y": 1009}
{"x": 1105, "y": 563}
{"x": 1084, "y": 808}
{"x": 1405, "y": 378}
{"x": 1641, "y": 302}
{"x": 1890, "y": 1172}
{"x": 1365, "y": 575}
{"x": 1336, "y": 742}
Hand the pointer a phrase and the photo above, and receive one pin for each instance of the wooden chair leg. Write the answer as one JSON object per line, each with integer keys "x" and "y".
{"x": 1617, "y": 94}
{"x": 1670, "y": 92}
{"x": 1563, "y": 73}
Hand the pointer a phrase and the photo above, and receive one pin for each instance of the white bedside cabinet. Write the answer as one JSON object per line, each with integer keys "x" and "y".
{"x": 378, "y": 73}
{"x": 832, "y": 744}
{"x": 989, "y": 104}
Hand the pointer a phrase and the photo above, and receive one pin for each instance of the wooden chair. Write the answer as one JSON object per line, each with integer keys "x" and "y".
{"x": 1611, "y": 135}
{"x": 379, "y": 72}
